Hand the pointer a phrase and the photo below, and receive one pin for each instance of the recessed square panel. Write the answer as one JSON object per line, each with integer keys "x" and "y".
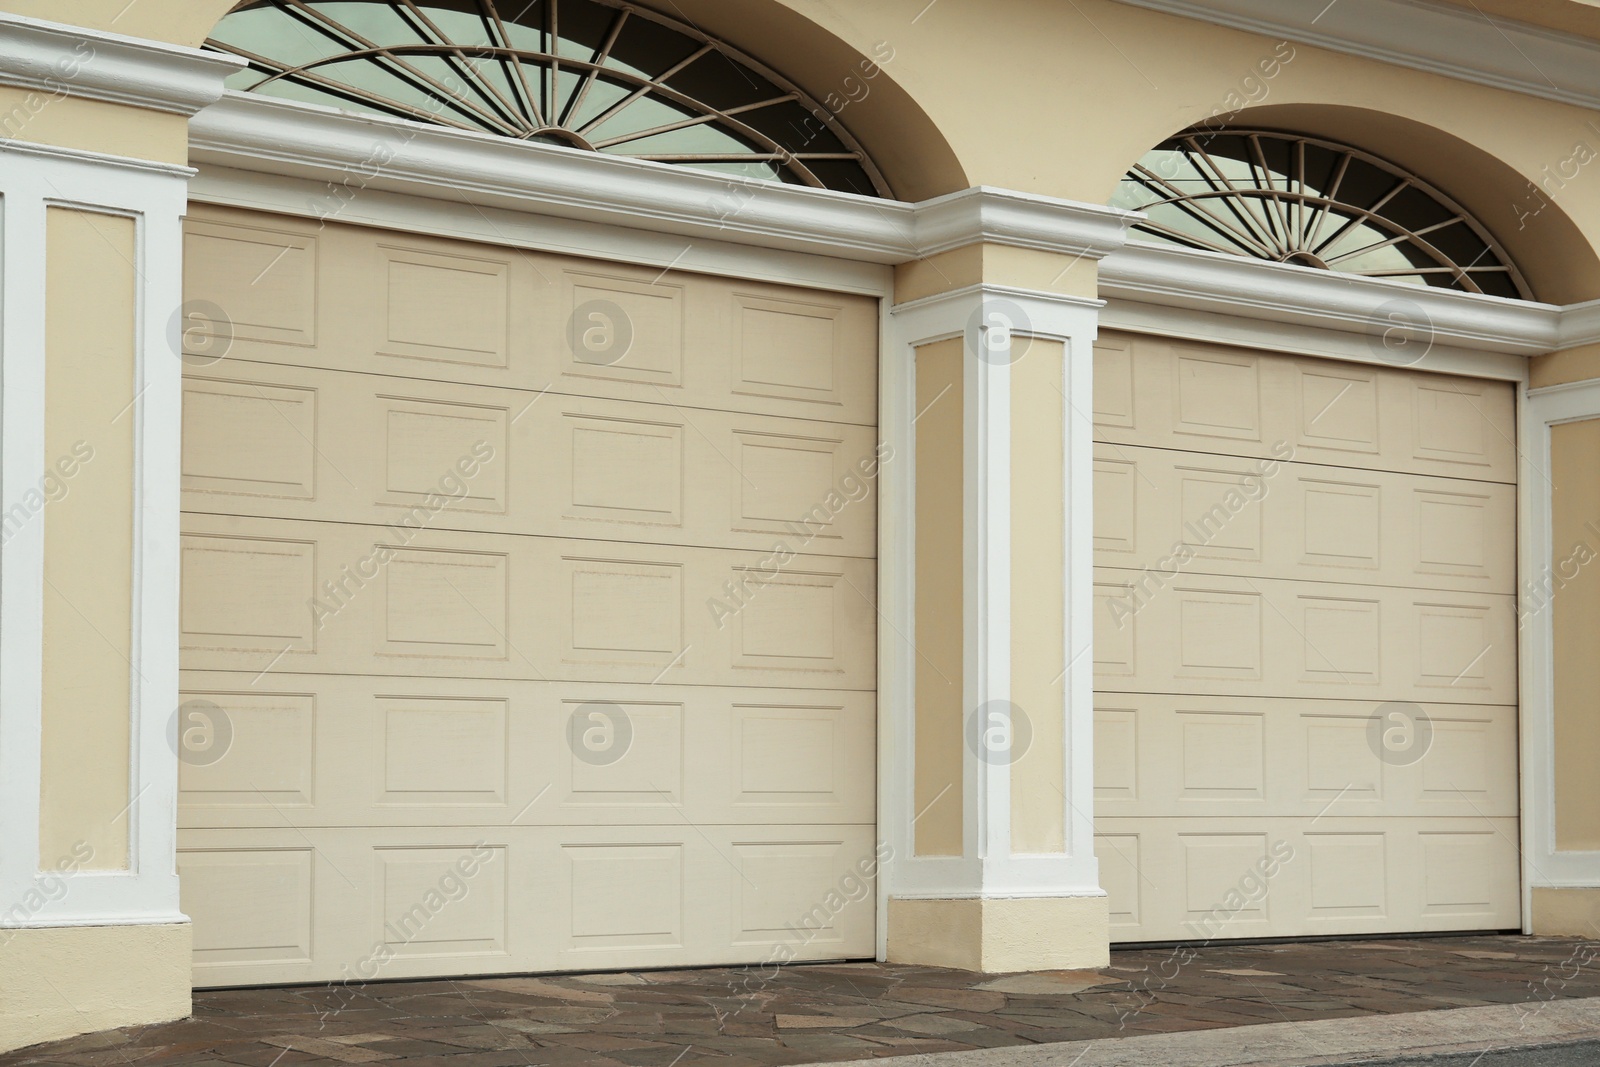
{"x": 1217, "y": 891}
{"x": 248, "y": 594}
{"x": 247, "y": 905}
{"x": 619, "y": 606}
{"x": 625, "y": 896}
{"x": 787, "y": 349}
{"x": 1455, "y": 646}
{"x": 1116, "y": 754}
{"x": 786, "y": 884}
{"x": 1339, "y": 409}
{"x": 790, "y": 622}
{"x": 1219, "y": 513}
{"x": 1458, "y": 872}
{"x": 249, "y": 439}
{"x": 1349, "y": 875}
{"x": 625, "y": 470}
{"x": 1340, "y": 763}
{"x": 1218, "y": 397}
{"x": 1115, "y": 610}
{"x": 452, "y": 309}
{"x": 444, "y": 456}
{"x": 1341, "y": 521}
{"x": 269, "y": 752}
{"x": 1118, "y": 858}
{"x": 445, "y": 604}
{"x": 1451, "y": 423}
{"x": 1223, "y": 756}
{"x": 1115, "y": 505}
{"x": 1113, "y": 383}
{"x": 624, "y": 752}
{"x": 443, "y": 752}
{"x": 1341, "y": 640}
{"x": 442, "y": 900}
{"x": 1453, "y": 532}
{"x": 785, "y": 481}
{"x": 1459, "y": 760}
{"x": 623, "y": 330}
{"x": 785, "y": 754}
{"x": 263, "y": 280}
{"x": 1219, "y": 634}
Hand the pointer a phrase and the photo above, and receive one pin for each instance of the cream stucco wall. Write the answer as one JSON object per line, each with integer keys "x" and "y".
{"x": 940, "y": 626}
{"x": 1575, "y": 602}
{"x": 1038, "y": 592}
{"x": 74, "y": 980}
{"x": 88, "y": 525}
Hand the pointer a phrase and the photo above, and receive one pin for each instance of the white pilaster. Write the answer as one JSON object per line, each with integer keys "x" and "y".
{"x": 54, "y": 61}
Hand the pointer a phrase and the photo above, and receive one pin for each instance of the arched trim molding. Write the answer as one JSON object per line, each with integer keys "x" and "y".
{"x": 1313, "y": 202}
{"x": 608, "y": 76}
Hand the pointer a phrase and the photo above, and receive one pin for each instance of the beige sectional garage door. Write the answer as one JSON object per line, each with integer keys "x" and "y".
{"x": 1305, "y": 645}
{"x": 528, "y": 601}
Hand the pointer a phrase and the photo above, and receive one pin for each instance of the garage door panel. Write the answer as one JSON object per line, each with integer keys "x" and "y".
{"x": 1206, "y": 398}
{"x": 1164, "y": 755}
{"x": 325, "y": 445}
{"x": 280, "y": 291}
{"x": 1187, "y": 879}
{"x": 527, "y": 613}
{"x": 1305, "y": 645}
{"x": 1260, "y": 637}
{"x": 349, "y": 750}
{"x": 1210, "y": 514}
{"x": 327, "y": 904}
{"x": 330, "y": 597}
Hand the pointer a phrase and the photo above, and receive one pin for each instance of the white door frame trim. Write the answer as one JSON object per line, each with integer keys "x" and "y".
{"x": 1544, "y": 865}
{"x": 154, "y": 197}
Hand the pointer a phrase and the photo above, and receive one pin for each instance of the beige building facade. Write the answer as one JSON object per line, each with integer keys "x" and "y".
{"x": 614, "y": 485}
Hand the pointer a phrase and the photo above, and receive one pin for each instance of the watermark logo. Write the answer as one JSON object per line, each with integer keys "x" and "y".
{"x": 200, "y": 733}
{"x": 1400, "y": 332}
{"x": 992, "y": 329}
{"x": 600, "y": 333}
{"x": 999, "y": 733}
{"x": 599, "y": 734}
{"x": 1400, "y": 733}
{"x": 200, "y": 333}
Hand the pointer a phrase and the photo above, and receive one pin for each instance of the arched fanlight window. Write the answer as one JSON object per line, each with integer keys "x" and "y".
{"x": 605, "y": 75}
{"x": 1315, "y": 203}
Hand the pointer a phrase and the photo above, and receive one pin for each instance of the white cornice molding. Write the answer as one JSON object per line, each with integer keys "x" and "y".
{"x": 1002, "y": 216}
{"x": 73, "y": 61}
{"x": 97, "y": 159}
{"x": 343, "y": 154}
{"x": 1422, "y": 34}
{"x": 1306, "y": 296}
{"x": 1580, "y": 325}
{"x": 370, "y": 152}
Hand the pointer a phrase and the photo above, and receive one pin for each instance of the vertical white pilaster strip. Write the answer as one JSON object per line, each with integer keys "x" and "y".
{"x": 1078, "y": 685}
{"x": 22, "y": 462}
{"x": 158, "y": 432}
{"x": 987, "y": 356}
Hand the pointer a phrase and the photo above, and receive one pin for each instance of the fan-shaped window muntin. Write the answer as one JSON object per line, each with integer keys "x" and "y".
{"x": 1314, "y": 203}
{"x": 604, "y": 75}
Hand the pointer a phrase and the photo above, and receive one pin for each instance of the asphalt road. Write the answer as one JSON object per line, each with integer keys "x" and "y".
{"x": 1583, "y": 1054}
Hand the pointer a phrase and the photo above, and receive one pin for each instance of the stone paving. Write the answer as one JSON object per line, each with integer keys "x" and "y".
{"x": 734, "y": 1017}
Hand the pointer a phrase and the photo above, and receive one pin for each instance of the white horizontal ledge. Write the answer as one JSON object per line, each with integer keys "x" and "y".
{"x": 64, "y": 60}
{"x": 1307, "y": 296}
{"x": 1456, "y": 41}
{"x": 358, "y": 152}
